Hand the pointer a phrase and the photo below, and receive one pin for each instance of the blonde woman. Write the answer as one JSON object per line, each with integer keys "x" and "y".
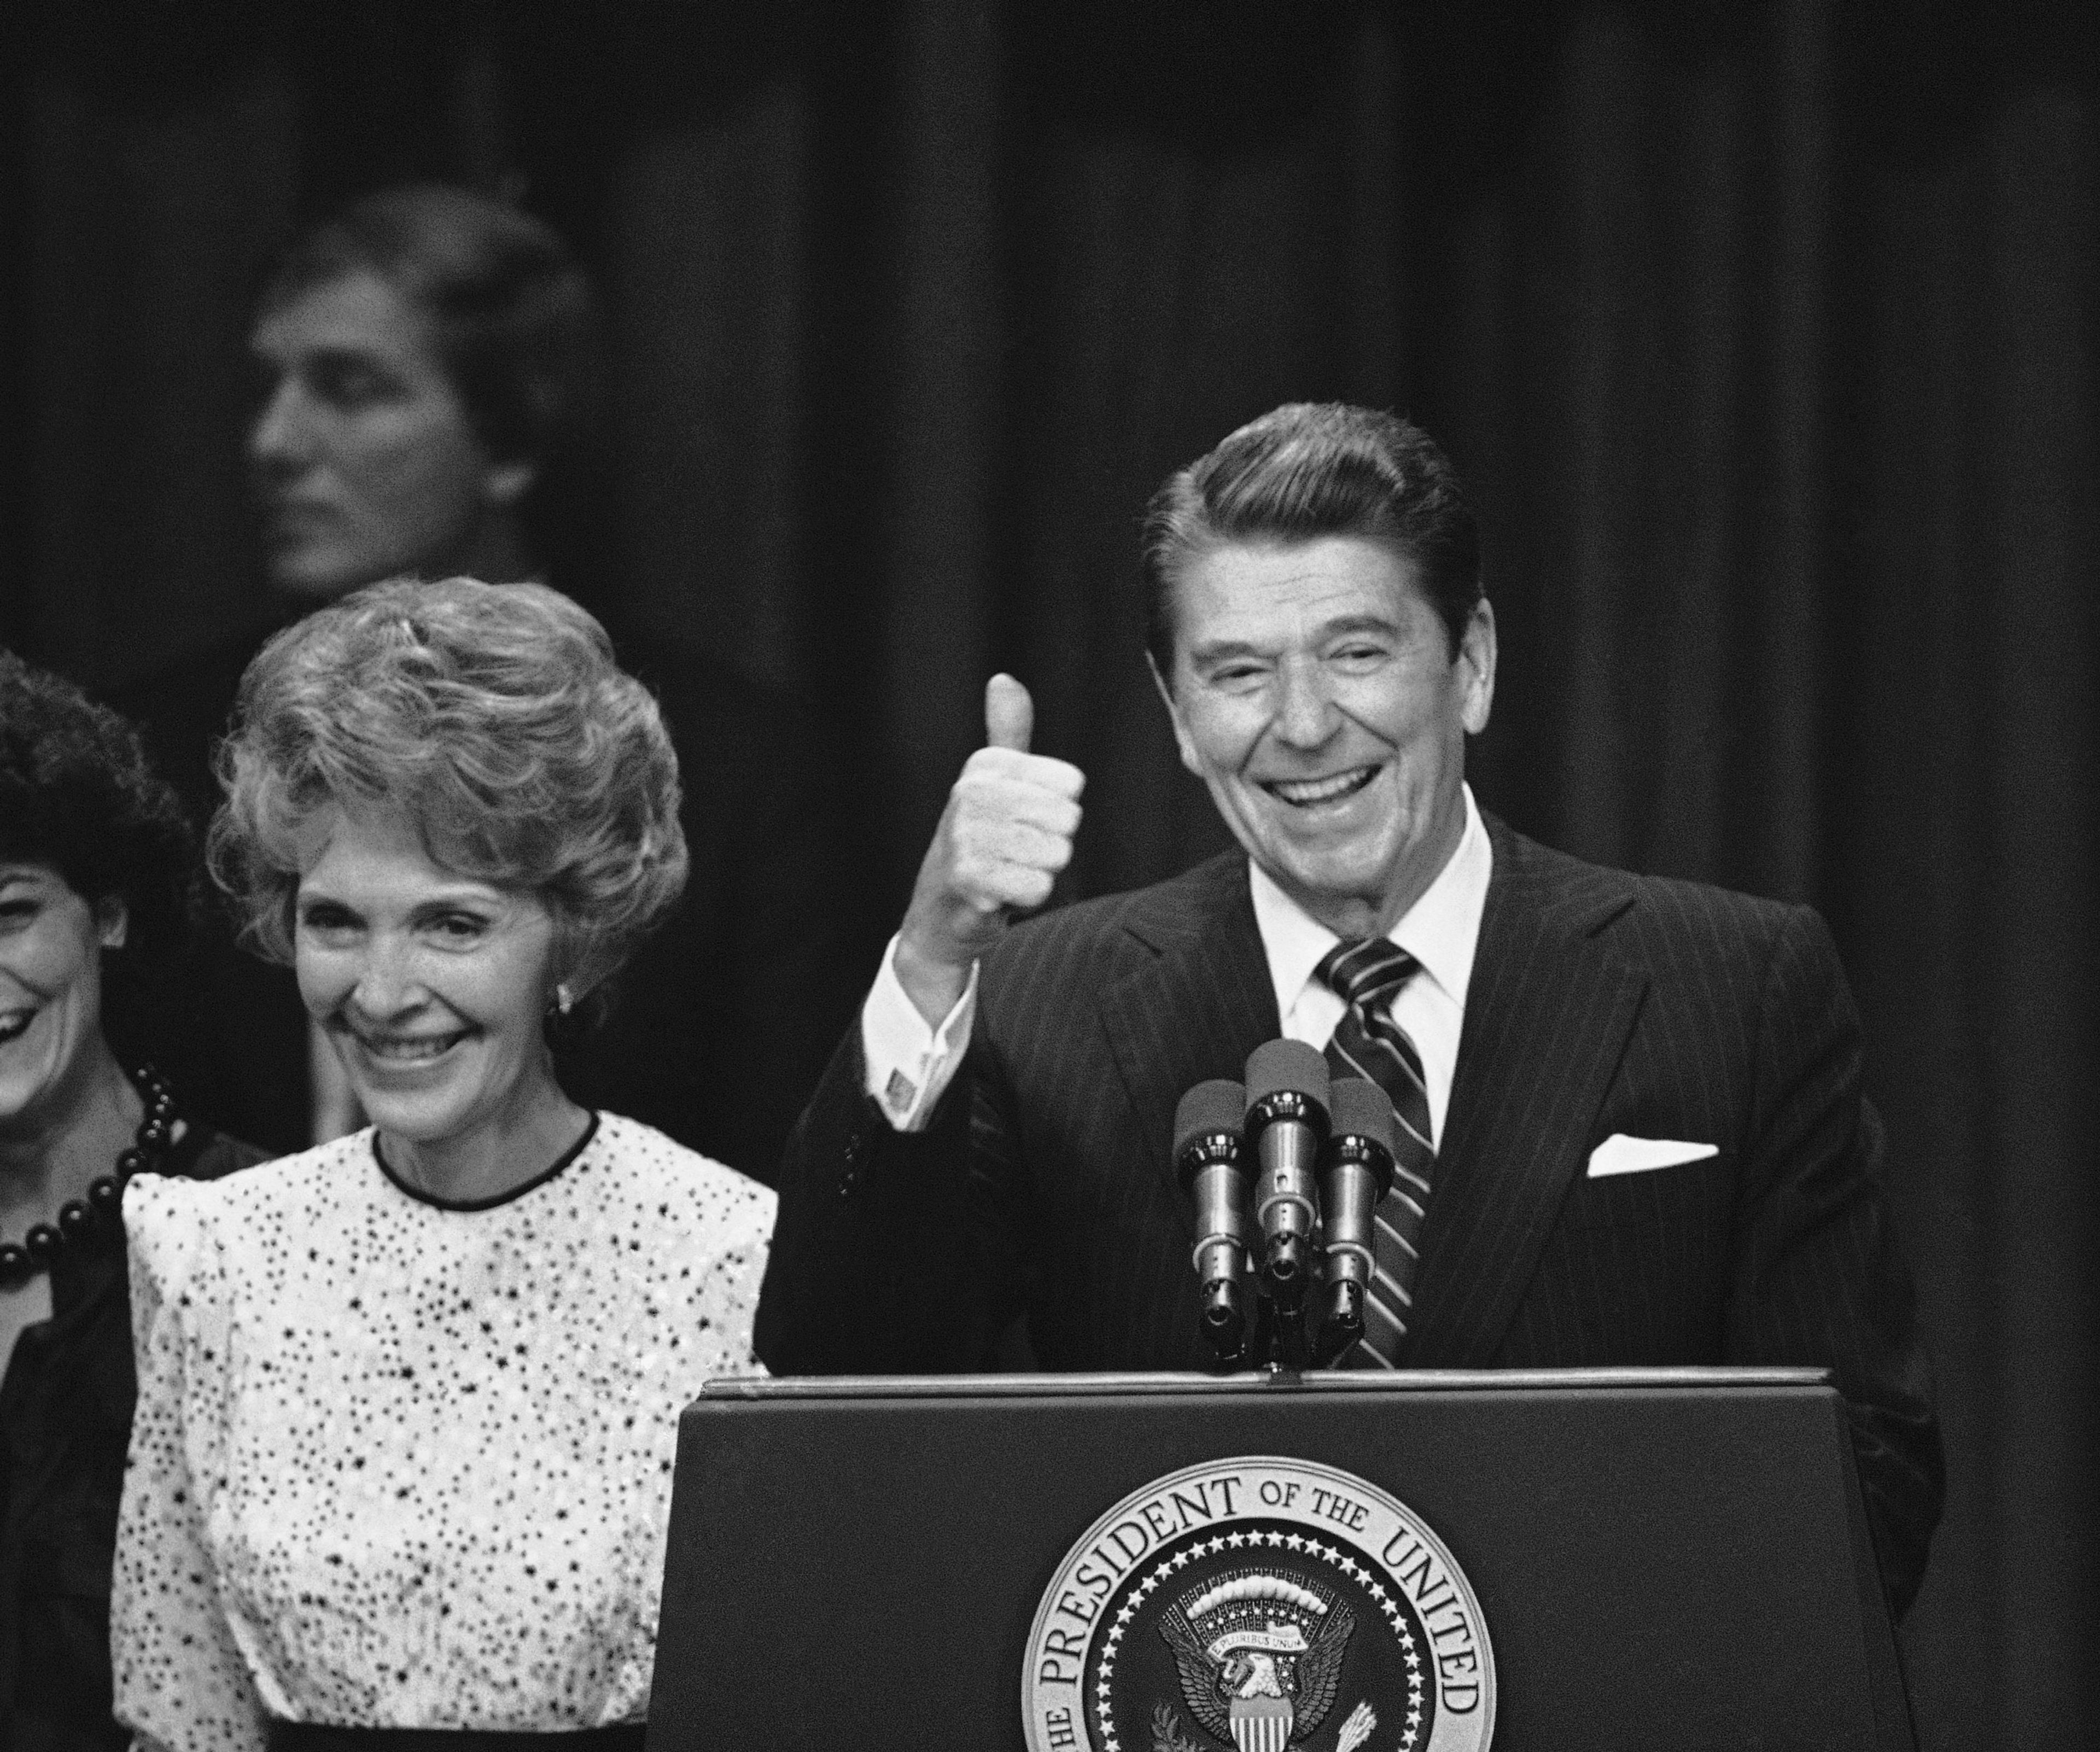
{"x": 408, "y": 1401}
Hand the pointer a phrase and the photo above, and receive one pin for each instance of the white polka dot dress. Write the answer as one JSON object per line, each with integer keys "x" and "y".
{"x": 398, "y": 1464}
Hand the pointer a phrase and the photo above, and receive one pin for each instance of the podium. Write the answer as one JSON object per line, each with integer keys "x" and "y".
{"x": 1655, "y": 1558}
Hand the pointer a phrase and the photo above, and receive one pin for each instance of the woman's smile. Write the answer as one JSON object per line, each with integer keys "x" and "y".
{"x": 400, "y": 1049}
{"x": 51, "y": 941}
{"x": 431, "y": 985}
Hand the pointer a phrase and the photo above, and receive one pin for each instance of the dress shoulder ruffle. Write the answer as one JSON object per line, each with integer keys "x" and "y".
{"x": 174, "y": 1226}
{"x": 744, "y": 1208}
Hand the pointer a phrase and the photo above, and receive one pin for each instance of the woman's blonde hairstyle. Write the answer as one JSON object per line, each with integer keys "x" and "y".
{"x": 490, "y": 717}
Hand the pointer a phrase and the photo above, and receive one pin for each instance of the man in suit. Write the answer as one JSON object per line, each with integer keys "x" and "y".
{"x": 1644, "y": 1139}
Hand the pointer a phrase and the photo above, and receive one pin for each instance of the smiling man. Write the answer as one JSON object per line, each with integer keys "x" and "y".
{"x": 1632, "y": 1126}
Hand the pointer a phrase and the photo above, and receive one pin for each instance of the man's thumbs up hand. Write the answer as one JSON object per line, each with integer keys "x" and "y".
{"x": 1005, "y": 834}
{"x": 1009, "y": 714}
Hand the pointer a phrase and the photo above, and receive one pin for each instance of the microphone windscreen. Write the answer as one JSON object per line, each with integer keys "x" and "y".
{"x": 1278, "y": 1064}
{"x": 1217, "y": 1105}
{"x": 1360, "y": 1108}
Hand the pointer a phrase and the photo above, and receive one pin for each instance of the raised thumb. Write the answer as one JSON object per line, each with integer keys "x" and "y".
{"x": 1009, "y": 714}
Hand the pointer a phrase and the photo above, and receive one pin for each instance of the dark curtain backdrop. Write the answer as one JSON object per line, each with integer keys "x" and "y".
{"x": 1766, "y": 334}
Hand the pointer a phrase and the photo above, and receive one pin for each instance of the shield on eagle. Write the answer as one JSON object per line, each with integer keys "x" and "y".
{"x": 1261, "y": 1724}
{"x": 1259, "y": 1656}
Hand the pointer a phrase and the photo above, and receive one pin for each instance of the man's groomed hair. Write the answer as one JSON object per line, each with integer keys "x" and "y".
{"x": 1307, "y": 470}
{"x": 490, "y": 717}
{"x": 512, "y": 315}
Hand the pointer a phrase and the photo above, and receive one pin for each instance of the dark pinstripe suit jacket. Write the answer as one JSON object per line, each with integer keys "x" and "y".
{"x": 1600, "y": 1002}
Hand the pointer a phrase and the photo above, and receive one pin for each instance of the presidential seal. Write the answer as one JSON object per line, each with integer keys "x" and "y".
{"x": 1258, "y": 1604}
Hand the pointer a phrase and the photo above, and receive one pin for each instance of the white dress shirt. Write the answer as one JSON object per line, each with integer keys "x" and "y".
{"x": 1440, "y": 930}
{"x": 909, "y": 1064}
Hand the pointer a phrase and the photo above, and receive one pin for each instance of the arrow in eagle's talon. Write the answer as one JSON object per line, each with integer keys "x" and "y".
{"x": 1357, "y": 1729}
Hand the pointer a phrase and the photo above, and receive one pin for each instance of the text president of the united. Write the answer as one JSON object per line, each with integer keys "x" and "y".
{"x": 1650, "y": 1144}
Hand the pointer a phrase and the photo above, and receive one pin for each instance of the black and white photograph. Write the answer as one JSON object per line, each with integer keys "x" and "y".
{"x": 1083, "y": 877}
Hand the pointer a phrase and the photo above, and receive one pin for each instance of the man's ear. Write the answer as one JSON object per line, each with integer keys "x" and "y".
{"x": 503, "y": 484}
{"x": 112, "y": 922}
{"x": 1182, "y": 739}
{"x": 1476, "y": 659}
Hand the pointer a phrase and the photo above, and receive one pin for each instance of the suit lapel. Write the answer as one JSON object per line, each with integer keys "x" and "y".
{"x": 1547, "y": 1016}
{"x": 1200, "y": 1005}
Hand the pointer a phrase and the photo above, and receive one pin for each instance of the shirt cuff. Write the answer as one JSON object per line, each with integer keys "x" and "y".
{"x": 909, "y": 1065}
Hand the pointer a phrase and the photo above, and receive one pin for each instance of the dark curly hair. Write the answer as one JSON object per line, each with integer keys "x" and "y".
{"x": 77, "y": 794}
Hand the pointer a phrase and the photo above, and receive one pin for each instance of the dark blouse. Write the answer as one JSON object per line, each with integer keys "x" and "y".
{"x": 65, "y": 1416}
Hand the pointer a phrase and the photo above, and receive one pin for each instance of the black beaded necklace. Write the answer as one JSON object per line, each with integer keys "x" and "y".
{"x": 102, "y": 1209}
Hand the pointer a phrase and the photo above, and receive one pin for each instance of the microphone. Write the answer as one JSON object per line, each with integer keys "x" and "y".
{"x": 1208, "y": 1158}
{"x": 1286, "y": 1123}
{"x": 1356, "y": 1172}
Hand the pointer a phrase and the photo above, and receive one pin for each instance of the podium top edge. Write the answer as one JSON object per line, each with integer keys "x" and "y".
{"x": 1352, "y": 1382}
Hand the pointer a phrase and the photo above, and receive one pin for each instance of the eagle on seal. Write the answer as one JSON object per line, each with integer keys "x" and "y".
{"x": 1259, "y": 1689}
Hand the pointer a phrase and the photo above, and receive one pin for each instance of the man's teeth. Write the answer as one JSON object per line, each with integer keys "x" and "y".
{"x": 1305, "y": 791}
{"x": 14, "y": 1024}
{"x": 406, "y": 1049}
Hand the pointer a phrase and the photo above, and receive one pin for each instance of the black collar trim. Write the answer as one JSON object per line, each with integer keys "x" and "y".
{"x": 538, "y": 1180}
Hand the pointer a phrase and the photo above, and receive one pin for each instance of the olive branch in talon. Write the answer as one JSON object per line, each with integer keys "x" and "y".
{"x": 1167, "y": 1735}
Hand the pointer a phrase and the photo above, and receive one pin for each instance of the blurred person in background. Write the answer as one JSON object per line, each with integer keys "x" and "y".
{"x": 96, "y": 881}
{"x": 428, "y": 366}
{"x": 409, "y": 1400}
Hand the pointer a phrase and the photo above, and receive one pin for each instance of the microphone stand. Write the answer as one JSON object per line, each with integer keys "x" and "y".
{"x": 1286, "y": 1125}
{"x": 1285, "y": 1290}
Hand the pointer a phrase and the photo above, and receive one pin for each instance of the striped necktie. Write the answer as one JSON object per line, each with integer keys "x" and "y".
{"x": 1367, "y": 974}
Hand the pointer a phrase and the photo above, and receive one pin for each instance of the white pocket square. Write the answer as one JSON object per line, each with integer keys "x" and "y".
{"x": 1622, "y": 1155}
